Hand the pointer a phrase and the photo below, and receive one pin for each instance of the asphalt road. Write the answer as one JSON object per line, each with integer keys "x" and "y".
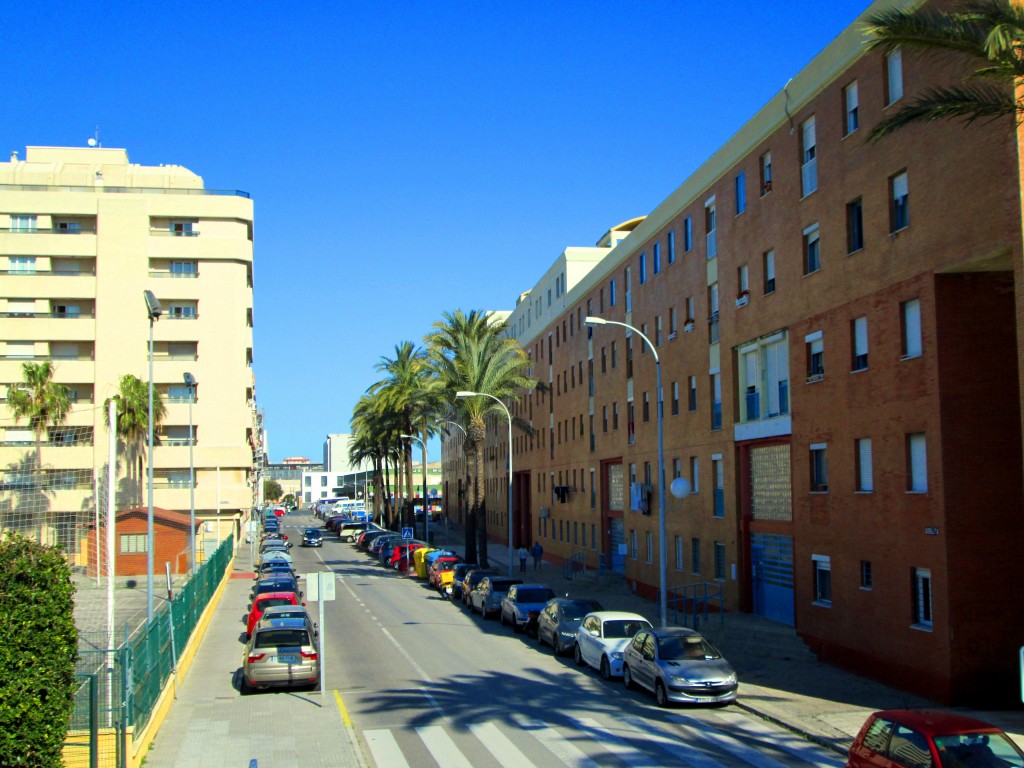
{"x": 423, "y": 682}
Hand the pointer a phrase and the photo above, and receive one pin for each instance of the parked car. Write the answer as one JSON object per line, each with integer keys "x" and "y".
{"x": 276, "y": 583}
{"x": 439, "y": 566}
{"x": 449, "y": 583}
{"x": 264, "y": 601}
{"x": 603, "y": 636}
{"x": 350, "y": 529}
{"x": 678, "y": 665}
{"x": 559, "y": 620}
{"x": 896, "y": 738}
{"x": 472, "y": 580}
{"x": 275, "y": 554}
{"x": 521, "y": 604}
{"x": 332, "y": 522}
{"x": 487, "y": 597}
{"x": 379, "y": 542}
{"x": 272, "y": 545}
{"x": 312, "y": 537}
{"x": 273, "y": 567}
{"x": 399, "y": 559}
{"x": 287, "y": 612}
{"x": 281, "y": 653}
{"x": 273, "y": 535}
{"x": 366, "y": 538}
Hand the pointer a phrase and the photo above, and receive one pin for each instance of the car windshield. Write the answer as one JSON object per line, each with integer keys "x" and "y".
{"x": 264, "y": 604}
{"x": 313, "y": 532}
{"x": 534, "y": 595}
{"x": 679, "y": 648}
{"x": 576, "y": 610}
{"x": 273, "y": 638}
{"x": 615, "y": 629}
{"x": 977, "y": 750}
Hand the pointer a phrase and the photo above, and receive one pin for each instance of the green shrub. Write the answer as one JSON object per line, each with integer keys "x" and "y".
{"x": 38, "y": 649}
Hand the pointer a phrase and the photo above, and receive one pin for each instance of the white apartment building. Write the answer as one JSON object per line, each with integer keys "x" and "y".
{"x": 83, "y": 234}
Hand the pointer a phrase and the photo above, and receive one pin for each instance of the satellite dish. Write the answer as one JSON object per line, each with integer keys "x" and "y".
{"x": 91, "y": 142}
{"x": 680, "y": 487}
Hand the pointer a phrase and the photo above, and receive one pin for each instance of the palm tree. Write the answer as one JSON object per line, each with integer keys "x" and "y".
{"x": 44, "y": 403}
{"x": 473, "y": 353}
{"x": 132, "y": 400}
{"x": 376, "y": 433}
{"x": 986, "y": 34}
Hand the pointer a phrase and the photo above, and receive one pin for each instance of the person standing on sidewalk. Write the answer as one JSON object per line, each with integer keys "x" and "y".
{"x": 538, "y": 552}
{"x": 522, "y": 558}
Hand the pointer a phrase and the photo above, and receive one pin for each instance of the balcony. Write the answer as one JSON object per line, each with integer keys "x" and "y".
{"x": 122, "y": 190}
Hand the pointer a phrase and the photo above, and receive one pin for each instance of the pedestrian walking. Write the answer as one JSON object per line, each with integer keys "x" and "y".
{"x": 522, "y": 558}
{"x": 538, "y": 552}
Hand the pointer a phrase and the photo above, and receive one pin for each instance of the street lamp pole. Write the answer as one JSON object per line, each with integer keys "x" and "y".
{"x": 190, "y": 382}
{"x": 662, "y": 546}
{"x": 154, "y": 310}
{"x": 464, "y": 393}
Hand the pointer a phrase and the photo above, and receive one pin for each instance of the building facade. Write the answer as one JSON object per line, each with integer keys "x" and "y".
{"x": 837, "y": 327}
{"x": 83, "y": 233}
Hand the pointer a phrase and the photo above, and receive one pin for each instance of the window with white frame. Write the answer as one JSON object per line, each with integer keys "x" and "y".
{"x": 687, "y": 234}
{"x": 673, "y": 323}
{"x": 740, "y": 187}
{"x": 769, "y": 271}
{"x": 656, "y": 257}
{"x": 691, "y": 399}
{"x": 743, "y": 281}
{"x": 751, "y": 376}
{"x": 679, "y": 552}
{"x": 694, "y": 474}
{"x": 854, "y": 226}
{"x": 649, "y": 545}
{"x": 917, "y": 463}
{"x": 675, "y": 398}
{"x": 859, "y": 329}
{"x": 671, "y": 246}
{"x": 23, "y": 223}
{"x": 643, "y": 267}
{"x": 766, "y": 173}
{"x": 822, "y": 579}
{"x": 893, "y": 76}
{"x": 809, "y": 155}
{"x": 716, "y": 400}
{"x": 720, "y": 560}
{"x": 864, "y": 465}
{"x": 657, "y": 331}
{"x": 690, "y": 311}
{"x": 815, "y": 346}
{"x": 21, "y": 265}
{"x": 812, "y": 250}
{"x": 910, "y": 312}
{"x": 718, "y": 491}
{"x": 776, "y": 375}
{"x": 899, "y": 210}
{"x": 819, "y": 467}
{"x": 632, "y": 544}
{"x": 922, "y": 598}
{"x": 134, "y": 543}
{"x": 851, "y": 109}
{"x": 710, "y": 228}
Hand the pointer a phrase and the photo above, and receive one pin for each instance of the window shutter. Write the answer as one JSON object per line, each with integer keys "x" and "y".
{"x": 866, "y": 480}
{"x": 912, "y": 327}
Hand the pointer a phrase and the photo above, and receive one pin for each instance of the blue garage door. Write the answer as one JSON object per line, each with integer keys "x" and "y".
{"x": 772, "y": 563}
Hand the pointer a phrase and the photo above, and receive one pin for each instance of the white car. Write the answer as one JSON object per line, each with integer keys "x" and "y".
{"x": 603, "y": 636}
{"x": 276, "y": 554}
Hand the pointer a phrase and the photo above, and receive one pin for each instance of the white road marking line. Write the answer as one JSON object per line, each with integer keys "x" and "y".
{"x": 384, "y": 749}
{"x": 671, "y": 743}
{"x": 782, "y": 739}
{"x": 499, "y": 745}
{"x": 698, "y": 729}
{"x": 557, "y": 744}
{"x": 441, "y": 747}
{"x": 618, "y": 746}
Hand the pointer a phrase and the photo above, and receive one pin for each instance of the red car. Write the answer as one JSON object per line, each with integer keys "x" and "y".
{"x": 264, "y": 601}
{"x": 402, "y": 554}
{"x": 924, "y": 738}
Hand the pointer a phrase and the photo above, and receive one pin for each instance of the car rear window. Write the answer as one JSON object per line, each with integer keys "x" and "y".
{"x": 534, "y": 595}
{"x": 273, "y": 638}
{"x": 276, "y": 601}
{"x": 576, "y": 610}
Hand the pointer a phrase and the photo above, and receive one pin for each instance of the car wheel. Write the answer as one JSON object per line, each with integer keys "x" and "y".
{"x": 660, "y": 694}
{"x": 606, "y": 669}
{"x": 578, "y": 655}
{"x": 244, "y": 688}
{"x": 627, "y": 678}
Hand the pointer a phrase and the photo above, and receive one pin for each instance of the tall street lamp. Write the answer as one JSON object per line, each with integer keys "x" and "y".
{"x": 426, "y": 517}
{"x": 154, "y": 310}
{"x": 662, "y": 547}
{"x": 464, "y": 393}
{"x": 190, "y": 382}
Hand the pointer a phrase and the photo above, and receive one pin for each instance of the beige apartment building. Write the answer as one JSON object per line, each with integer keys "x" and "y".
{"x": 83, "y": 234}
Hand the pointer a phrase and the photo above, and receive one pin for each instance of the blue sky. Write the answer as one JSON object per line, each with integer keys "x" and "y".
{"x": 406, "y": 159}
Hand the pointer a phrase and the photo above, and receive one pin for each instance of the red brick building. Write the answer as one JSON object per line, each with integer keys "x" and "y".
{"x": 170, "y": 538}
{"x": 846, "y": 401}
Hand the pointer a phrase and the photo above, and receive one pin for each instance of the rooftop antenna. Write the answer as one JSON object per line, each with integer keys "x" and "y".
{"x": 95, "y": 141}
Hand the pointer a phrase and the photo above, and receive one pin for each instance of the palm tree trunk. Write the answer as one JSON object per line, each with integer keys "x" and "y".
{"x": 479, "y": 507}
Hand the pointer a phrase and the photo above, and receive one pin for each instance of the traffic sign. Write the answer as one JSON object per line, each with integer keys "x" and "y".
{"x": 406, "y": 533}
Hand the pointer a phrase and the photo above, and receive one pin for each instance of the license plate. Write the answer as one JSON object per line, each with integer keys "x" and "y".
{"x": 705, "y": 700}
{"x": 283, "y": 659}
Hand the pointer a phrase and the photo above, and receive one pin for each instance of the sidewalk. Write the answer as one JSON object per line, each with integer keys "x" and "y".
{"x": 780, "y": 679}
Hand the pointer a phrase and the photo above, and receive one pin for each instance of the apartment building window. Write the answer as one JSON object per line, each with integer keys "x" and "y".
{"x": 604, "y": 418}
{"x": 647, "y": 407}
{"x": 671, "y": 246}
{"x": 740, "y": 186}
{"x": 819, "y": 468}
{"x": 184, "y": 269}
{"x": 181, "y": 312}
{"x": 323, "y": 481}
{"x": 21, "y": 265}
{"x": 860, "y": 343}
{"x": 691, "y": 397}
{"x": 822, "y": 580}
{"x": 615, "y": 416}
{"x": 695, "y": 556}
{"x": 593, "y": 491}
{"x": 922, "y": 598}
{"x": 720, "y": 560}
{"x": 677, "y": 468}
{"x": 716, "y": 401}
{"x": 593, "y": 536}
{"x": 673, "y": 323}
{"x": 815, "y": 346}
{"x": 766, "y": 173}
{"x": 866, "y": 579}
{"x": 713, "y": 329}
{"x": 809, "y": 155}
{"x": 657, "y": 331}
{"x": 718, "y": 491}
{"x": 769, "y": 271}
{"x": 675, "y": 398}
{"x": 864, "y": 466}
{"x": 751, "y": 378}
{"x": 630, "y": 422}
{"x": 899, "y": 206}
{"x": 649, "y": 546}
{"x": 694, "y": 474}
{"x": 710, "y": 228}
{"x": 611, "y": 292}
{"x": 181, "y": 228}
{"x": 632, "y": 544}
{"x": 629, "y": 282}
{"x": 690, "y": 312}
{"x": 600, "y": 302}
{"x": 812, "y": 250}
{"x": 743, "y": 285}
{"x": 615, "y": 356}
{"x": 656, "y": 257}
{"x": 687, "y": 234}
{"x": 910, "y": 312}
{"x": 893, "y": 76}
{"x": 678, "y": 541}
{"x": 917, "y": 463}
{"x": 854, "y": 226}
{"x": 851, "y": 111}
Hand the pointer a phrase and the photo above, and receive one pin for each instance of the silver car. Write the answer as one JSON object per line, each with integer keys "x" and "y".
{"x": 678, "y": 665}
{"x": 280, "y": 653}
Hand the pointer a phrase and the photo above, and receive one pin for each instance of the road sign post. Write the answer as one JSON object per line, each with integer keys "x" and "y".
{"x": 320, "y": 587}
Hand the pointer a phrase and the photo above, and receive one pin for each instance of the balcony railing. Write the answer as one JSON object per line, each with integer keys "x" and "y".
{"x": 15, "y": 356}
{"x": 753, "y": 406}
{"x": 122, "y": 190}
{"x": 62, "y": 315}
{"x": 173, "y": 232}
{"x": 174, "y": 441}
{"x": 47, "y": 230}
{"x": 168, "y": 273}
{"x": 87, "y": 271}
